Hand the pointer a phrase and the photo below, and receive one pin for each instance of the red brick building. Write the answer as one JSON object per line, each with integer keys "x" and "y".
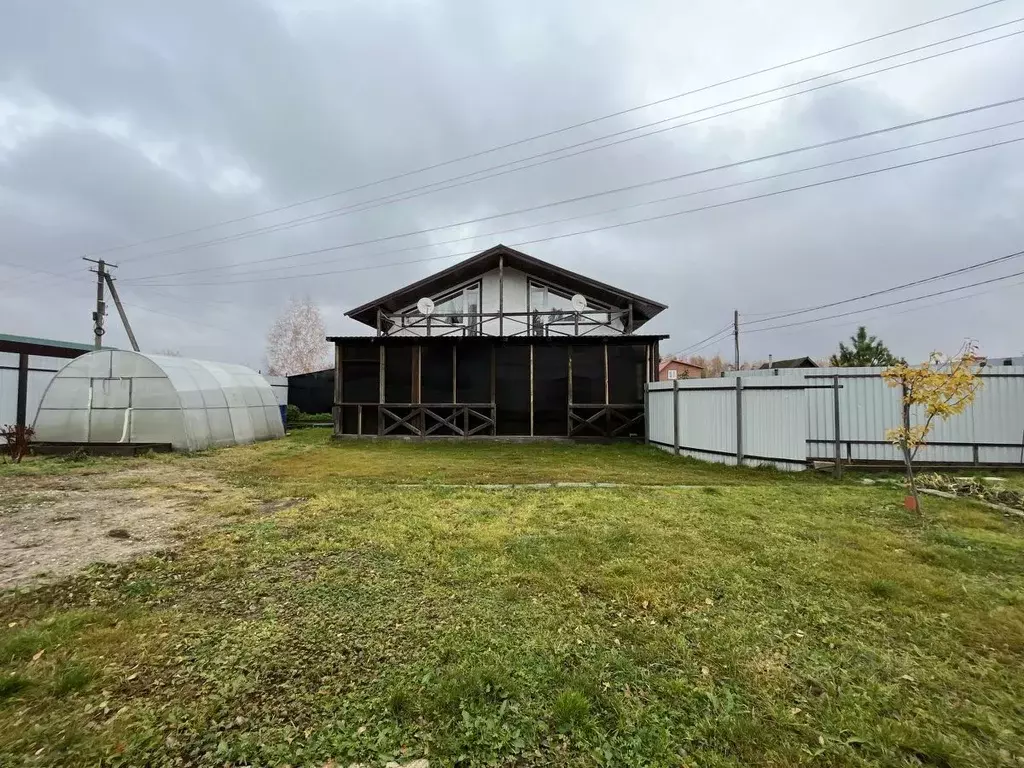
{"x": 678, "y": 369}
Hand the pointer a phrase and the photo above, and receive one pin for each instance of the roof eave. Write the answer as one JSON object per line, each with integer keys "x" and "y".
{"x": 644, "y": 309}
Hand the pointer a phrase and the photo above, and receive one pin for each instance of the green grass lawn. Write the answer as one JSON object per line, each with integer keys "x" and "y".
{"x": 756, "y": 619}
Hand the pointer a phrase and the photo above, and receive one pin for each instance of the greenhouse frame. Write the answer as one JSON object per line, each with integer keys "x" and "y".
{"x": 130, "y": 398}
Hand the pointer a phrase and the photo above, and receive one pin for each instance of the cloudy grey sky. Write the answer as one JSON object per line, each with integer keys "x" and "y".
{"x": 123, "y": 121}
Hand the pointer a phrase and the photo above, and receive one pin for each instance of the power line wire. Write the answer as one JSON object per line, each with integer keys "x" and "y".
{"x": 931, "y": 305}
{"x": 557, "y": 131}
{"x": 544, "y": 158}
{"x": 911, "y": 284}
{"x": 705, "y": 342}
{"x": 660, "y": 217}
{"x": 890, "y": 304}
{"x": 248, "y": 264}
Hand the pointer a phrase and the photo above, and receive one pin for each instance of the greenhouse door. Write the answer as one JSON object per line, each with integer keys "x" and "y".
{"x": 110, "y": 410}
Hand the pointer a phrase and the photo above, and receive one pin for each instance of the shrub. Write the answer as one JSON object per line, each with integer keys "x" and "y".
{"x": 17, "y": 438}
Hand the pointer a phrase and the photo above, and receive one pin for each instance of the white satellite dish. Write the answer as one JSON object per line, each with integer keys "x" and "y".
{"x": 579, "y": 302}
{"x": 425, "y": 306}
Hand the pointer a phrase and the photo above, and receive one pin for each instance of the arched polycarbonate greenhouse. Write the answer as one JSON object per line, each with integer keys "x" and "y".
{"x": 116, "y": 396}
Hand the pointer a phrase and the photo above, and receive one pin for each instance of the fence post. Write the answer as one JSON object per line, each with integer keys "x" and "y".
{"x": 837, "y": 469}
{"x": 647, "y": 413}
{"x": 675, "y": 416}
{"x": 739, "y": 421}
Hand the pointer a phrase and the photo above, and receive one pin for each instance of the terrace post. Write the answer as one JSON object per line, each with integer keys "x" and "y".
{"x": 338, "y": 390}
{"x": 531, "y": 390}
{"x": 380, "y": 408}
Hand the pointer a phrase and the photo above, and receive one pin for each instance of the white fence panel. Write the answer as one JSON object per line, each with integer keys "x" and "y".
{"x": 775, "y": 421}
{"x": 991, "y": 430}
{"x": 659, "y": 413}
{"x": 802, "y": 401}
{"x": 773, "y": 417}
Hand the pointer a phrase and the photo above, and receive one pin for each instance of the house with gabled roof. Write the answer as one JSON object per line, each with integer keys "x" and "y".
{"x": 502, "y": 344}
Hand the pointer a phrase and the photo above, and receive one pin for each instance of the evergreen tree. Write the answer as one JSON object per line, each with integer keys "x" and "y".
{"x": 863, "y": 351}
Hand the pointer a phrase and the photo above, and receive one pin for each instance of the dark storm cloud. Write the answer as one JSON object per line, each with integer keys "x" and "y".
{"x": 121, "y": 121}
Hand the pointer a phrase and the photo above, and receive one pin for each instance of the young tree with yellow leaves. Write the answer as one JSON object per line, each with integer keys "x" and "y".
{"x": 937, "y": 389}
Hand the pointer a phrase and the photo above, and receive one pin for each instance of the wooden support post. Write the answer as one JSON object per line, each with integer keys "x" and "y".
{"x": 568, "y": 425}
{"x": 494, "y": 399}
{"x": 359, "y": 420}
{"x": 380, "y": 410}
{"x": 647, "y": 393}
{"x": 21, "y": 413}
{"x": 531, "y": 390}
{"x": 837, "y": 468}
{"x": 339, "y": 390}
{"x": 417, "y": 371}
{"x": 501, "y": 295}
{"x": 675, "y": 416}
{"x": 607, "y": 389}
{"x": 739, "y": 421}
{"x": 417, "y": 394}
{"x": 629, "y": 321}
{"x": 455, "y": 374}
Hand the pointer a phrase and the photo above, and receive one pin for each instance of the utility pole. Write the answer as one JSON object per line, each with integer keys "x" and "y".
{"x": 104, "y": 278}
{"x": 736, "y": 335}
{"x": 101, "y": 305}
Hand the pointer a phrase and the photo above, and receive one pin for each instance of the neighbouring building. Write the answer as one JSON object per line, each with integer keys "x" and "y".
{"x": 501, "y": 344}
{"x": 796, "y": 362}
{"x": 312, "y": 392}
{"x": 678, "y": 369}
{"x": 26, "y": 366}
{"x": 1004, "y": 361}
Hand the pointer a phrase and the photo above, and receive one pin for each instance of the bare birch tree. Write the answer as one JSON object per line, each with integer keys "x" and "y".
{"x": 297, "y": 341}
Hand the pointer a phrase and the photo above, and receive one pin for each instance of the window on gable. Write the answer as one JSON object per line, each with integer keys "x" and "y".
{"x": 553, "y": 306}
{"x": 459, "y": 307}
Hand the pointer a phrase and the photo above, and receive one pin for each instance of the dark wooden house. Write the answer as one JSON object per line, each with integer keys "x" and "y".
{"x": 501, "y": 344}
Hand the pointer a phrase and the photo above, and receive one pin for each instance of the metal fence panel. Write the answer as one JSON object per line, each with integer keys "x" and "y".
{"x": 775, "y": 420}
{"x": 991, "y": 430}
{"x": 773, "y": 417}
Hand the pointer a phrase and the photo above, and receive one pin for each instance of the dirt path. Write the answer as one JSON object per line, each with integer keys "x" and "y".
{"x": 54, "y": 526}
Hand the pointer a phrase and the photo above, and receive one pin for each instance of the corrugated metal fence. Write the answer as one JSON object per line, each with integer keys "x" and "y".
{"x": 777, "y": 402}
{"x": 731, "y": 421}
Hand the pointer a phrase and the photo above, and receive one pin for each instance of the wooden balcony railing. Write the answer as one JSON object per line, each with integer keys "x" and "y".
{"x": 536, "y": 323}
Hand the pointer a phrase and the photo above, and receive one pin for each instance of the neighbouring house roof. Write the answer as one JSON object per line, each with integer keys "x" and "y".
{"x": 643, "y": 309}
{"x": 796, "y": 362}
{"x": 43, "y": 347}
{"x": 666, "y": 363}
